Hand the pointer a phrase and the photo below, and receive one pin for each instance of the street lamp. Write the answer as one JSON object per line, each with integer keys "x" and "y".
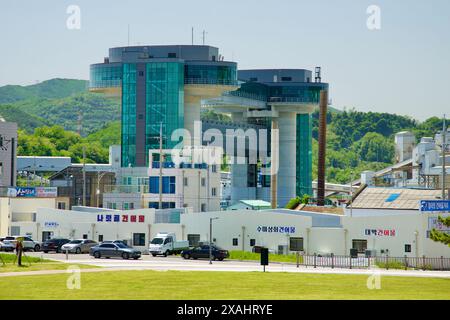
{"x": 210, "y": 238}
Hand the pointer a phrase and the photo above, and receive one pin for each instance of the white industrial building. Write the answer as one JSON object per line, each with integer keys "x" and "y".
{"x": 391, "y": 232}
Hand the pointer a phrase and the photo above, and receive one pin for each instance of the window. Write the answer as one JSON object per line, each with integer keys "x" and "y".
{"x": 100, "y": 238}
{"x": 1, "y": 167}
{"x": 62, "y": 205}
{"x": 125, "y": 205}
{"x": 168, "y": 185}
{"x": 193, "y": 239}
{"x": 286, "y": 78}
{"x": 252, "y": 242}
{"x": 168, "y": 205}
{"x": 171, "y": 55}
{"x": 153, "y": 205}
{"x": 185, "y": 181}
{"x": 235, "y": 242}
{"x": 131, "y": 205}
{"x": 252, "y": 79}
{"x": 295, "y": 244}
{"x": 141, "y": 73}
{"x": 203, "y": 182}
{"x": 203, "y": 208}
{"x": 407, "y": 248}
{"x": 214, "y": 168}
{"x": 360, "y": 245}
{"x": 213, "y": 192}
{"x": 85, "y": 236}
{"x": 138, "y": 239}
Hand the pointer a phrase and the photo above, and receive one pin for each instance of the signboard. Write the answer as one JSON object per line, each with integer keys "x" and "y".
{"x": 434, "y": 223}
{"x": 380, "y": 232}
{"x": 276, "y": 229}
{"x": 120, "y": 218}
{"x": 434, "y": 205}
{"x": 46, "y": 192}
{"x": 25, "y": 192}
{"x": 51, "y": 224}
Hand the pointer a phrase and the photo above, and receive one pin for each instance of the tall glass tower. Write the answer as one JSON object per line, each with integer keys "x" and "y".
{"x": 160, "y": 85}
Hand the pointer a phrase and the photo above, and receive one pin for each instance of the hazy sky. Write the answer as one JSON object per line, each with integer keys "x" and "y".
{"x": 402, "y": 68}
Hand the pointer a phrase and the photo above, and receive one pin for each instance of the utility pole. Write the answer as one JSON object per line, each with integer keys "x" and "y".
{"x": 84, "y": 175}
{"x": 444, "y": 133}
{"x": 160, "y": 165}
{"x": 210, "y": 238}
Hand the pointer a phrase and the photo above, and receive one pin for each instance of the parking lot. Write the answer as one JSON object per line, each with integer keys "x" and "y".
{"x": 148, "y": 262}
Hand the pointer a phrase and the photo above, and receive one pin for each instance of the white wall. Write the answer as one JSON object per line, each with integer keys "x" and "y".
{"x": 230, "y": 223}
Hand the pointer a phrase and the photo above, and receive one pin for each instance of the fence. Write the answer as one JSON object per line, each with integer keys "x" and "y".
{"x": 385, "y": 262}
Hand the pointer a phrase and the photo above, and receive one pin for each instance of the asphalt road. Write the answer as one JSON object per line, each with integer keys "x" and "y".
{"x": 148, "y": 262}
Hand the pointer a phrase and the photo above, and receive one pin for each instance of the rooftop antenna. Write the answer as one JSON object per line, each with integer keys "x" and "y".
{"x": 318, "y": 77}
{"x": 128, "y": 35}
{"x": 204, "y": 36}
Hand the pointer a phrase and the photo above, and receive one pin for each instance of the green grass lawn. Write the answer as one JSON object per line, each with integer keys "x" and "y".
{"x": 30, "y": 263}
{"x": 244, "y": 255}
{"x": 220, "y": 285}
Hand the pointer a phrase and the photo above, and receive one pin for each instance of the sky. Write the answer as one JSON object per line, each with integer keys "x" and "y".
{"x": 403, "y": 67}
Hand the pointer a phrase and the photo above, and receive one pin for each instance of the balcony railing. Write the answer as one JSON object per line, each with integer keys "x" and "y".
{"x": 210, "y": 81}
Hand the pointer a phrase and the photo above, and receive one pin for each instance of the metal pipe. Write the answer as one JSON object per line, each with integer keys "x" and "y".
{"x": 274, "y": 156}
{"x": 444, "y": 134}
{"x": 322, "y": 147}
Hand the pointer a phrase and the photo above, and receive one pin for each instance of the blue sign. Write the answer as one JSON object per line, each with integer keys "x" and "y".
{"x": 434, "y": 205}
{"x": 25, "y": 192}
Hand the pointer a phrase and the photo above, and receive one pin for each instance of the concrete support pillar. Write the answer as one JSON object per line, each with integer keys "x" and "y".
{"x": 287, "y": 127}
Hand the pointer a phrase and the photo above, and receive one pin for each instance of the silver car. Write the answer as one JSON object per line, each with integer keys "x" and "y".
{"x": 78, "y": 246}
{"x": 28, "y": 243}
{"x": 6, "y": 246}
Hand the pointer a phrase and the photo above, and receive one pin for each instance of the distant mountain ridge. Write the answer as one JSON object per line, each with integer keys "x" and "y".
{"x": 65, "y": 102}
{"x": 49, "y": 89}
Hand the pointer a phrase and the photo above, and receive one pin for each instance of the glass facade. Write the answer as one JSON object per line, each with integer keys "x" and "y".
{"x": 210, "y": 74}
{"x": 164, "y": 102}
{"x": 105, "y": 75}
{"x": 304, "y": 155}
{"x": 128, "y": 122}
{"x": 168, "y": 184}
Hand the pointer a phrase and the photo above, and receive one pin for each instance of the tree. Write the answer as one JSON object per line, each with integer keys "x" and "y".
{"x": 375, "y": 148}
{"x": 439, "y": 236}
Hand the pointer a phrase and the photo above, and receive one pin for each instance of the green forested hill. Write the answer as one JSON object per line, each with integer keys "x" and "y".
{"x": 50, "y": 89}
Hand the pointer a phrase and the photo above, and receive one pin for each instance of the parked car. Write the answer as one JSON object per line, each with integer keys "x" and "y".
{"x": 116, "y": 241}
{"x": 78, "y": 246}
{"x": 203, "y": 252}
{"x": 6, "y": 246}
{"x": 54, "y": 244}
{"x": 113, "y": 250}
{"x": 28, "y": 243}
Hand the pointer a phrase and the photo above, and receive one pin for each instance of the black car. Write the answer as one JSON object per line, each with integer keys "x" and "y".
{"x": 54, "y": 244}
{"x": 203, "y": 252}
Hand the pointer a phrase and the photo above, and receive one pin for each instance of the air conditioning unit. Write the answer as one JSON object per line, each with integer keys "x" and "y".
{"x": 282, "y": 249}
{"x": 370, "y": 253}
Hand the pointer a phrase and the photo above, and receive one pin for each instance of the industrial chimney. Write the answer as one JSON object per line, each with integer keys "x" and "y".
{"x": 322, "y": 147}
